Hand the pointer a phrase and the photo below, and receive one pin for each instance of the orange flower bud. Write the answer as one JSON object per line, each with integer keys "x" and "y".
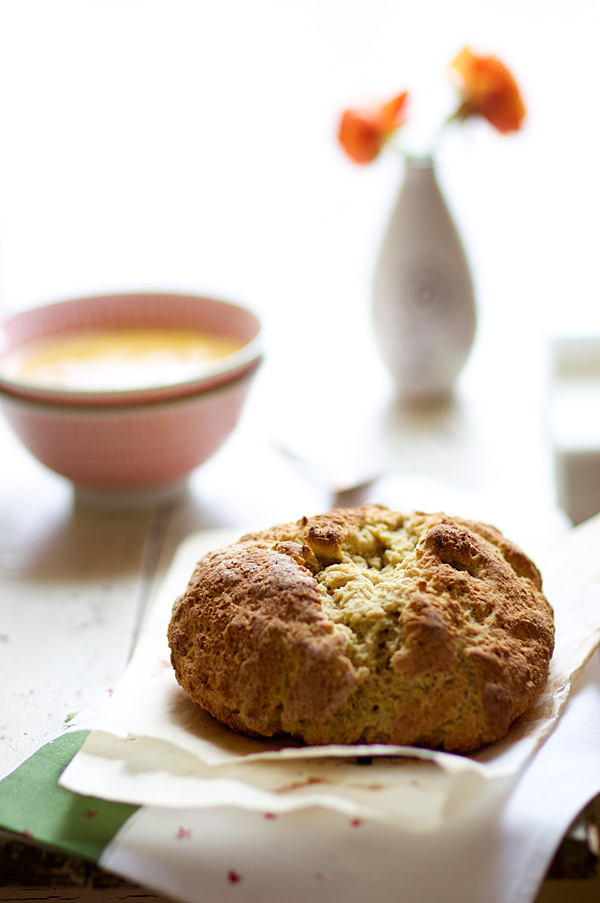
{"x": 488, "y": 89}
{"x": 363, "y": 133}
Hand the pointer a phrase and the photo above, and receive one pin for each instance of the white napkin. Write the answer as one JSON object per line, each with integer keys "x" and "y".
{"x": 480, "y": 818}
{"x": 498, "y": 850}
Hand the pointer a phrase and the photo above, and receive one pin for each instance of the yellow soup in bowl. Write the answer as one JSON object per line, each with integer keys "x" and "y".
{"x": 117, "y": 359}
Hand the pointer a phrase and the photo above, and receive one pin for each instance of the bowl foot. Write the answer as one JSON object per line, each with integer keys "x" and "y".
{"x": 123, "y": 500}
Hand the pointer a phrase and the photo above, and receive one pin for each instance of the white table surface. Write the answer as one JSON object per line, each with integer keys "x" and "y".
{"x": 191, "y": 146}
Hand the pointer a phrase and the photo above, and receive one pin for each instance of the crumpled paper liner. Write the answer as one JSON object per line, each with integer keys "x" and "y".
{"x": 150, "y": 745}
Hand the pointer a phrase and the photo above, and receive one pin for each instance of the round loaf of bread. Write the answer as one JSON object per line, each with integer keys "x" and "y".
{"x": 366, "y": 625}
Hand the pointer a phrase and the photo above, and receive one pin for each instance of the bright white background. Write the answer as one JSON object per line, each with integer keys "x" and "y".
{"x": 187, "y": 143}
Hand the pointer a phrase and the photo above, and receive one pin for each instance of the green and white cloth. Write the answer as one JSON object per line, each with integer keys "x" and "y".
{"x": 201, "y": 817}
{"x": 499, "y": 851}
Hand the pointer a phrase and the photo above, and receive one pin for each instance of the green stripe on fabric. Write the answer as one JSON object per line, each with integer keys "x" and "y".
{"x": 34, "y": 805}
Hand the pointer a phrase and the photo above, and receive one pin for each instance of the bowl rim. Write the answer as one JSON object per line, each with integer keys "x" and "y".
{"x": 156, "y": 405}
{"x": 221, "y": 371}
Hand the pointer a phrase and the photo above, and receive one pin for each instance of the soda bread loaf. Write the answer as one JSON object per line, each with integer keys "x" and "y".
{"x": 366, "y": 625}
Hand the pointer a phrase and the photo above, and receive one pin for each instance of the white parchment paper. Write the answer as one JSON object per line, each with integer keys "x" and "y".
{"x": 151, "y": 746}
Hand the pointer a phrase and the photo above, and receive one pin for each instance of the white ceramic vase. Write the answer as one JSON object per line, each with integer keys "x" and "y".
{"x": 423, "y": 304}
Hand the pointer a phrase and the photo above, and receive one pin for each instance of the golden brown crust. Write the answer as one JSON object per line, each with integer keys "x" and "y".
{"x": 366, "y": 625}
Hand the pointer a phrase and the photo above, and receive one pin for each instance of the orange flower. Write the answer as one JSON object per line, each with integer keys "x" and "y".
{"x": 488, "y": 89}
{"x": 363, "y": 133}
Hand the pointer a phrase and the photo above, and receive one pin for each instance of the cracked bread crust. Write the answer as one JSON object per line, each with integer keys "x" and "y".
{"x": 366, "y": 625}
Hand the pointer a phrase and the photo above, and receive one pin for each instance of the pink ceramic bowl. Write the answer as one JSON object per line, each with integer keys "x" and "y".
{"x": 145, "y": 439}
